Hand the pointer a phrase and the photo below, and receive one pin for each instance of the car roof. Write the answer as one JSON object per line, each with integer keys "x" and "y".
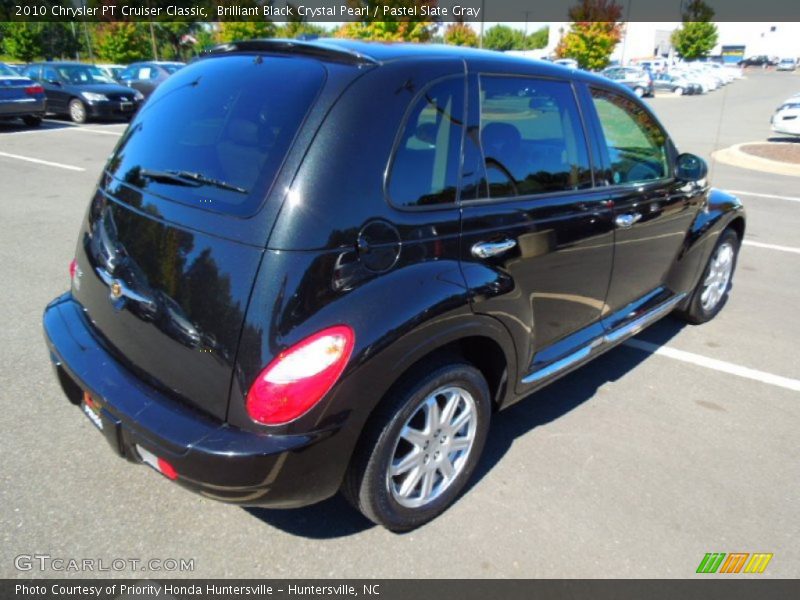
{"x": 359, "y": 52}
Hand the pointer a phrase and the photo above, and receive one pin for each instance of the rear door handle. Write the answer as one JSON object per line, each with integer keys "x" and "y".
{"x": 627, "y": 220}
{"x": 489, "y": 249}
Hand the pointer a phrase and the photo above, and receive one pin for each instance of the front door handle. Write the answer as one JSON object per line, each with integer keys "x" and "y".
{"x": 627, "y": 220}
{"x": 489, "y": 249}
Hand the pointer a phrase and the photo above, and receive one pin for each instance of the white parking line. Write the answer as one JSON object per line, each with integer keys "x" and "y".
{"x": 42, "y": 162}
{"x": 716, "y": 365}
{"x": 772, "y": 247}
{"x": 756, "y": 195}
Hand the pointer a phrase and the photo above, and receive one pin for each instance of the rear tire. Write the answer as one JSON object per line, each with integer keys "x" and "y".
{"x": 639, "y": 91}
{"x": 77, "y": 111}
{"x": 32, "y": 120}
{"x": 413, "y": 460}
{"x": 711, "y": 292}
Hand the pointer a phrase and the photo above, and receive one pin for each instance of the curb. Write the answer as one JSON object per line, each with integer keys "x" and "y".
{"x": 735, "y": 157}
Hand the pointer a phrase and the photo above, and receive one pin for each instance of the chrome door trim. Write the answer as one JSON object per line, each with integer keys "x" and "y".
{"x": 605, "y": 342}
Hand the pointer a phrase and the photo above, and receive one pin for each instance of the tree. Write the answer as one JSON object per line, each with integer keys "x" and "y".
{"x": 389, "y": 27}
{"x": 594, "y": 33}
{"x": 122, "y": 42}
{"x": 502, "y": 37}
{"x": 232, "y": 31}
{"x": 60, "y": 40}
{"x": 297, "y": 26}
{"x": 460, "y": 34}
{"x": 23, "y": 41}
{"x": 538, "y": 39}
{"x": 697, "y": 36}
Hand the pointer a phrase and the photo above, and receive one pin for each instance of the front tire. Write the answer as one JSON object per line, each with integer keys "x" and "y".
{"x": 639, "y": 91}
{"x": 420, "y": 447}
{"x": 77, "y": 111}
{"x": 678, "y": 91}
{"x": 711, "y": 292}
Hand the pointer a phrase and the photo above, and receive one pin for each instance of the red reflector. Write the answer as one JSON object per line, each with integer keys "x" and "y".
{"x": 34, "y": 89}
{"x": 300, "y": 377}
{"x": 73, "y": 267}
{"x": 167, "y": 469}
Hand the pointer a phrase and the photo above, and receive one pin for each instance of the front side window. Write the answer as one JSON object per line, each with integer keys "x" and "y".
{"x": 637, "y": 146}
{"x": 532, "y": 137}
{"x": 425, "y": 166}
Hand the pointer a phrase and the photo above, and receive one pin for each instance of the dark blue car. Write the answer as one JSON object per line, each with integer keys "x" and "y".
{"x": 20, "y": 97}
{"x": 83, "y": 91}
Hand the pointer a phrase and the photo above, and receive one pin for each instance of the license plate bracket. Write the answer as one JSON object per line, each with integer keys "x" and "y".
{"x": 105, "y": 422}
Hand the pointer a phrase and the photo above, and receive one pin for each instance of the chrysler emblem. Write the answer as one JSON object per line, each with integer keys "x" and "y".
{"x": 116, "y": 290}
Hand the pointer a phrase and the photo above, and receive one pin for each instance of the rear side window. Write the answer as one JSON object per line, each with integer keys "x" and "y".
{"x": 532, "y": 137}
{"x": 637, "y": 146}
{"x": 425, "y": 167}
{"x": 215, "y": 134}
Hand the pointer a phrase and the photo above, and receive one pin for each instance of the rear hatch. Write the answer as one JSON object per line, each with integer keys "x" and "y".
{"x": 173, "y": 238}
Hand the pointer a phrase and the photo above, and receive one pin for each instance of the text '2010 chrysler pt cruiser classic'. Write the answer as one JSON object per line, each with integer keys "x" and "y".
{"x": 320, "y": 266}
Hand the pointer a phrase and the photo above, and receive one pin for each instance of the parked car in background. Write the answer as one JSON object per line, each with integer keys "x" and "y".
{"x": 20, "y": 97}
{"x": 235, "y": 320}
{"x": 637, "y": 79}
{"x": 570, "y": 63}
{"x": 113, "y": 71}
{"x": 83, "y": 91}
{"x": 677, "y": 85}
{"x": 786, "y": 120}
{"x": 147, "y": 76}
{"x": 760, "y": 60}
{"x": 786, "y": 64}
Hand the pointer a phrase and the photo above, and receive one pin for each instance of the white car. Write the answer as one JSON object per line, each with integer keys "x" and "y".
{"x": 786, "y": 120}
{"x": 570, "y": 63}
{"x": 786, "y": 64}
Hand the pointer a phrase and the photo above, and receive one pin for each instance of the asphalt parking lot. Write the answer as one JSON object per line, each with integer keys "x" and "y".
{"x": 634, "y": 466}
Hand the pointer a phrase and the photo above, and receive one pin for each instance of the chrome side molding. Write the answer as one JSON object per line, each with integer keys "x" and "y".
{"x": 608, "y": 340}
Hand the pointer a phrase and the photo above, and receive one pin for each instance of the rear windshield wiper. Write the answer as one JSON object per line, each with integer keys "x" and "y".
{"x": 189, "y": 178}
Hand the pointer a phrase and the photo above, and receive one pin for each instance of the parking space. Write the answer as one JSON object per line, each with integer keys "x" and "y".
{"x": 634, "y": 466}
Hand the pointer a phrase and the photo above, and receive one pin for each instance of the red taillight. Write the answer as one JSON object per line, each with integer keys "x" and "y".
{"x": 73, "y": 268}
{"x": 300, "y": 377}
{"x": 32, "y": 90}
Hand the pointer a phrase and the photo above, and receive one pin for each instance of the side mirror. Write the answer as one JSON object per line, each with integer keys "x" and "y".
{"x": 689, "y": 167}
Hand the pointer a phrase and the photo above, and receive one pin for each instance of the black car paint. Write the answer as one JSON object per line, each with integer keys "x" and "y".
{"x": 314, "y": 255}
{"x": 60, "y": 92}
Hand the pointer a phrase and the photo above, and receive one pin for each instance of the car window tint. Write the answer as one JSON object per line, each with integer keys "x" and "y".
{"x": 50, "y": 74}
{"x": 425, "y": 167}
{"x": 229, "y": 120}
{"x": 637, "y": 146}
{"x": 32, "y": 72}
{"x": 532, "y": 137}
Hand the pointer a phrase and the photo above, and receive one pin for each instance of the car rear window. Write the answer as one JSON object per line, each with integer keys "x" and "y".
{"x": 216, "y": 132}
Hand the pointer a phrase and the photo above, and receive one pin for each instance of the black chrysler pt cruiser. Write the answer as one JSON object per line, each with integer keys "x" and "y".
{"x": 322, "y": 266}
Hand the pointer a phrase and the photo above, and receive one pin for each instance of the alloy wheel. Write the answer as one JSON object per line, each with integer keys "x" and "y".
{"x": 718, "y": 278}
{"x": 433, "y": 447}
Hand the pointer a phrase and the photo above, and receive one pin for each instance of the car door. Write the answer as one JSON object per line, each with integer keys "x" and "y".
{"x": 53, "y": 83}
{"x": 537, "y": 237}
{"x": 652, "y": 210}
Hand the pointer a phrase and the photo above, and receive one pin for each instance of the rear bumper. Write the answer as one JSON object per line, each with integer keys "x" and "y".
{"x": 210, "y": 457}
{"x": 22, "y": 108}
